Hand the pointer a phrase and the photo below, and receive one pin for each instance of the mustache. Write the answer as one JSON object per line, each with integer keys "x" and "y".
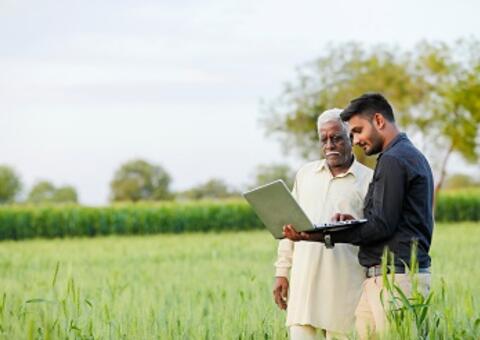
{"x": 332, "y": 153}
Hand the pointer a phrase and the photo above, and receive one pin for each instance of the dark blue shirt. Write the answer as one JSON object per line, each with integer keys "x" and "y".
{"x": 398, "y": 207}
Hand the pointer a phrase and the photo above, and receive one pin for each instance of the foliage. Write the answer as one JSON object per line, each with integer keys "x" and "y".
{"x": 41, "y": 192}
{"x": 24, "y": 221}
{"x": 212, "y": 189}
{"x": 458, "y": 205}
{"x": 268, "y": 173}
{"x": 192, "y": 286}
{"x": 10, "y": 184}
{"x": 407, "y": 310}
{"x": 46, "y": 192}
{"x": 139, "y": 180}
{"x": 449, "y": 114}
{"x": 343, "y": 73}
{"x": 19, "y": 222}
{"x": 435, "y": 91}
{"x": 65, "y": 194}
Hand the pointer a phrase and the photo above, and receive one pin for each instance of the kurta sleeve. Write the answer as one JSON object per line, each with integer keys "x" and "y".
{"x": 285, "y": 249}
{"x": 284, "y": 258}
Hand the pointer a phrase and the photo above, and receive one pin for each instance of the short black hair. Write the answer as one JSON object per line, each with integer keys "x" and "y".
{"x": 367, "y": 105}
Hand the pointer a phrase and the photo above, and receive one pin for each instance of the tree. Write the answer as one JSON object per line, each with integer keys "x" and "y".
{"x": 212, "y": 189}
{"x": 449, "y": 115}
{"x": 435, "y": 91}
{"x": 65, "y": 194}
{"x": 46, "y": 192}
{"x": 41, "y": 192}
{"x": 139, "y": 180}
{"x": 10, "y": 184}
{"x": 345, "y": 72}
{"x": 266, "y": 173}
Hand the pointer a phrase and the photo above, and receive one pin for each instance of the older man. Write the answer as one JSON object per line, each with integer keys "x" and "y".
{"x": 325, "y": 284}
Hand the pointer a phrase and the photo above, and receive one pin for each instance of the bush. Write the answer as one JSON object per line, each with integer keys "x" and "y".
{"x": 19, "y": 222}
{"x": 24, "y": 221}
{"x": 458, "y": 205}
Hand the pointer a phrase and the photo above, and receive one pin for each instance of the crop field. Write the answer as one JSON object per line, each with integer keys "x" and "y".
{"x": 191, "y": 286}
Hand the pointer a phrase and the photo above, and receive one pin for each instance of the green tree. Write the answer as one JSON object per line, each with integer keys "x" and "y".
{"x": 449, "y": 115}
{"x": 46, "y": 192}
{"x": 214, "y": 188}
{"x": 139, "y": 180}
{"x": 41, "y": 192}
{"x": 266, "y": 173}
{"x": 65, "y": 194}
{"x": 344, "y": 72}
{"x": 10, "y": 184}
{"x": 435, "y": 91}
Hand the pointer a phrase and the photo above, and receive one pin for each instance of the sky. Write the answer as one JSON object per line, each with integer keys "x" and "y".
{"x": 87, "y": 85}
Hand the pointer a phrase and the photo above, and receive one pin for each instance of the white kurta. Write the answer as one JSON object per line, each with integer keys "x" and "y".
{"x": 325, "y": 284}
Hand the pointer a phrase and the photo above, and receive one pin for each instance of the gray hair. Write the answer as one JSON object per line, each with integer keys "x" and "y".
{"x": 332, "y": 115}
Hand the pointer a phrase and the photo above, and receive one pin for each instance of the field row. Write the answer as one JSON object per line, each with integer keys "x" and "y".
{"x": 20, "y": 222}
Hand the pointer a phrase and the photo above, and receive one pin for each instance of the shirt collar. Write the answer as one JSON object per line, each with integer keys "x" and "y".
{"x": 354, "y": 168}
{"x": 396, "y": 140}
{"x": 401, "y": 136}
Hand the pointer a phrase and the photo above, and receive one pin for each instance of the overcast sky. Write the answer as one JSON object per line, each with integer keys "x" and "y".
{"x": 86, "y": 85}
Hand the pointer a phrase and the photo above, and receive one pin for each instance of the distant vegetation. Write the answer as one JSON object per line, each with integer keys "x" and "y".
{"x": 10, "y": 184}
{"x": 46, "y": 192}
{"x": 19, "y": 222}
{"x": 139, "y": 180}
{"x": 27, "y": 221}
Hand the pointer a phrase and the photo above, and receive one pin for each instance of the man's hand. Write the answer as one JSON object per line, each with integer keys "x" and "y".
{"x": 342, "y": 217}
{"x": 290, "y": 233}
{"x": 280, "y": 292}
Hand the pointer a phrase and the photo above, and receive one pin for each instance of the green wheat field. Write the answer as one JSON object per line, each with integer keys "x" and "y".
{"x": 192, "y": 286}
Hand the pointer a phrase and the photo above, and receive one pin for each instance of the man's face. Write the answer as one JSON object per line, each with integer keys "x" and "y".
{"x": 335, "y": 144}
{"x": 365, "y": 134}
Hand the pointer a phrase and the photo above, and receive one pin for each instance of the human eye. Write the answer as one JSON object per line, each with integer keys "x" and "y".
{"x": 337, "y": 138}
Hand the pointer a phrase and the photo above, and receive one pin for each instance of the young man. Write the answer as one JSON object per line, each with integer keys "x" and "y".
{"x": 398, "y": 207}
{"x": 325, "y": 284}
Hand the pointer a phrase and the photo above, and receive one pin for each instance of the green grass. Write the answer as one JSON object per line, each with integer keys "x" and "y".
{"x": 188, "y": 286}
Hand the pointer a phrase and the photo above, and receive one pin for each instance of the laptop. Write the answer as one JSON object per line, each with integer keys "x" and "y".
{"x": 275, "y": 206}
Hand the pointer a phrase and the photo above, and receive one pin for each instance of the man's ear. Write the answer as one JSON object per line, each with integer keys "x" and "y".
{"x": 379, "y": 121}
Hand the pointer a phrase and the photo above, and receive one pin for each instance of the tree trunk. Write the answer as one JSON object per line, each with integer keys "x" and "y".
{"x": 443, "y": 172}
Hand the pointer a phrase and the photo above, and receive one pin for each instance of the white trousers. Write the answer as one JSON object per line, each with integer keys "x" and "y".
{"x": 307, "y": 332}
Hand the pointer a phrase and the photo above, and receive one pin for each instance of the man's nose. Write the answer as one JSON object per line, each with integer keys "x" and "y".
{"x": 356, "y": 140}
{"x": 329, "y": 144}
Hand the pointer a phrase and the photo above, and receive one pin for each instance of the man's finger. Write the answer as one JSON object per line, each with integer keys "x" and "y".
{"x": 277, "y": 297}
{"x": 284, "y": 292}
{"x": 336, "y": 217}
{"x": 290, "y": 233}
